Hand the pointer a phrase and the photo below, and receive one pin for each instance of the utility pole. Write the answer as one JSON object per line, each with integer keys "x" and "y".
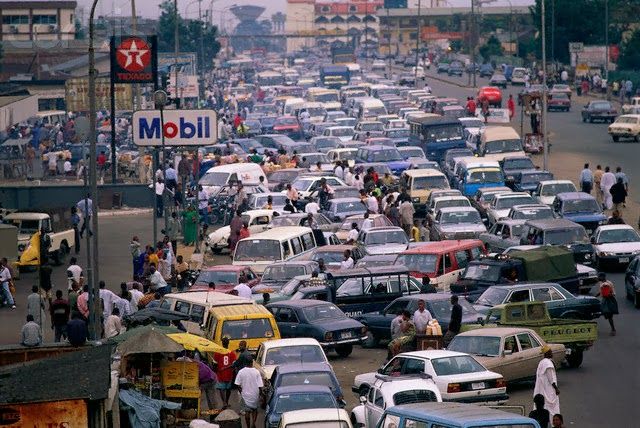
{"x": 201, "y": 48}
{"x": 606, "y": 40}
{"x": 474, "y": 40}
{"x": 553, "y": 31}
{"x": 136, "y": 87}
{"x": 545, "y": 140}
{"x": 389, "y": 43}
{"x": 415, "y": 71}
{"x": 176, "y": 46}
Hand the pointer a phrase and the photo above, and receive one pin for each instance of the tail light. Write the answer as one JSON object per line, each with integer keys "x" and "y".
{"x": 453, "y": 387}
{"x": 501, "y": 383}
{"x": 328, "y": 336}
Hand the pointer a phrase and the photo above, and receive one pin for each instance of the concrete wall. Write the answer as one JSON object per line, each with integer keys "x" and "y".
{"x": 51, "y": 196}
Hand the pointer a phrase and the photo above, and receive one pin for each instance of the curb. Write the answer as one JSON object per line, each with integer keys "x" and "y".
{"x": 122, "y": 213}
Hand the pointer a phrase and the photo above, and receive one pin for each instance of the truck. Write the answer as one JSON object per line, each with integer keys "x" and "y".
{"x": 576, "y": 335}
{"x": 334, "y": 76}
{"x": 543, "y": 264}
{"x": 435, "y": 135}
{"x": 57, "y": 226}
{"x": 342, "y": 54}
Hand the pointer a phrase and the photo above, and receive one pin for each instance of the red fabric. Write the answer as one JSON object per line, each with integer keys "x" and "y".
{"x": 224, "y": 369}
{"x": 102, "y": 159}
{"x": 471, "y": 107}
{"x": 512, "y": 107}
{"x": 237, "y": 121}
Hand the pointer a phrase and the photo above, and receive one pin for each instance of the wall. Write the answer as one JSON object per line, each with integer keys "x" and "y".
{"x": 51, "y": 196}
{"x": 18, "y": 111}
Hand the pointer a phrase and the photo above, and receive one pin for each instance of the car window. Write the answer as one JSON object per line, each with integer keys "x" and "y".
{"x": 475, "y": 253}
{"x": 462, "y": 259}
{"x": 197, "y": 313}
{"x": 296, "y": 245}
{"x": 183, "y": 307}
{"x": 390, "y": 421}
{"x": 541, "y": 294}
{"x": 447, "y": 263}
{"x": 371, "y": 395}
{"x": 534, "y": 341}
{"x": 413, "y": 366}
{"x": 525, "y": 341}
{"x": 286, "y": 315}
{"x": 519, "y": 296}
{"x": 555, "y": 294}
{"x": 510, "y": 344}
{"x": 397, "y": 307}
{"x": 378, "y": 399}
{"x": 412, "y": 423}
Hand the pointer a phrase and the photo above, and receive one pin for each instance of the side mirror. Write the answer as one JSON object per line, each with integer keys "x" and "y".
{"x": 380, "y": 371}
{"x": 593, "y": 239}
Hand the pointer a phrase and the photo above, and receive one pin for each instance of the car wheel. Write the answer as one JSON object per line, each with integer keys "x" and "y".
{"x": 615, "y": 138}
{"x": 575, "y": 358}
{"x": 371, "y": 341}
{"x": 344, "y": 350}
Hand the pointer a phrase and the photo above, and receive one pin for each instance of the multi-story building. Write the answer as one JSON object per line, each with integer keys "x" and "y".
{"x": 24, "y": 20}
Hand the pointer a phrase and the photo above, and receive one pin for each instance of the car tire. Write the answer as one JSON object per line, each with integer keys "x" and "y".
{"x": 615, "y": 138}
{"x": 371, "y": 341}
{"x": 575, "y": 358}
{"x": 344, "y": 350}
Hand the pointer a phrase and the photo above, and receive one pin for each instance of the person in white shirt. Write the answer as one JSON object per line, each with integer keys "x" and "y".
{"x": 339, "y": 171}
{"x": 367, "y": 223}
{"x": 136, "y": 295}
{"x": 123, "y": 306}
{"x": 421, "y": 317}
{"x": 353, "y": 234}
{"x": 68, "y": 169}
{"x": 74, "y": 272}
{"x": 348, "y": 176}
{"x": 347, "y": 262}
{"x": 156, "y": 279}
{"x": 372, "y": 204}
{"x": 312, "y": 208}
{"x": 249, "y": 382}
{"x": 108, "y": 297}
{"x": 113, "y": 325}
{"x": 243, "y": 289}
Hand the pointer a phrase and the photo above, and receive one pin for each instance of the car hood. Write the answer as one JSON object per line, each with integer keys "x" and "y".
{"x": 463, "y": 227}
{"x": 546, "y": 200}
{"x": 400, "y": 166}
{"x": 503, "y": 212}
{"x": 585, "y": 217}
{"x": 376, "y": 250}
{"x": 618, "y": 247}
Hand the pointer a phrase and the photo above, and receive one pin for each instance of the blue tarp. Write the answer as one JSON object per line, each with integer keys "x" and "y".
{"x": 144, "y": 412}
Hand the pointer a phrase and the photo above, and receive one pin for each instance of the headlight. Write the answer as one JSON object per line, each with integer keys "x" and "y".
{"x": 587, "y": 256}
{"x": 21, "y": 247}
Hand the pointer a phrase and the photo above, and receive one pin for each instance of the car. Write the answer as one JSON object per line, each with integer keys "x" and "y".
{"x": 498, "y": 80}
{"x": 371, "y": 261}
{"x": 301, "y": 219}
{"x": 273, "y": 353}
{"x": 340, "y": 208}
{"x": 407, "y": 79}
{"x": 277, "y": 274}
{"x": 378, "y": 323}
{"x": 298, "y": 373}
{"x": 632, "y": 281}
{"x": 378, "y": 64}
{"x": 307, "y": 185}
{"x": 503, "y": 234}
{"x": 547, "y": 190}
{"x": 258, "y": 221}
{"x": 486, "y": 70}
{"x": 514, "y": 164}
{"x": 398, "y": 136}
{"x": 502, "y": 202}
{"x": 390, "y": 391}
{"x": 324, "y": 144}
{"x": 633, "y": 107}
{"x": 386, "y": 154}
{"x": 457, "y": 223}
{"x": 379, "y": 220}
{"x": 258, "y": 201}
{"x": 625, "y": 126}
{"x": 320, "y": 320}
{"x": 443, "y": 67}
{"x": 455, "y": 68}
{"x": 483, "y": 197}
{"x": 599, "y": 110}
{"x": 288, "y": 125}
{"x": 297, "y": 397}
{"x": 225, "y": 277}
{"x": 382, "y": 240}
{"x": 527, "y": 181}
{"x": 445, "y": 202}
{"x": 561, "y": 88}
{"x": 558, "y": 101}
{"x": 248, "y": 144}
{"x": 580, "y": 208}
{"x": 510, "y": 351}
{"x": 560, "y": 232}
{"x": 411, "y": 152}
{"x": 459, "y": 377}
{"x": 559, "y": 302}
{"x": 530, "y": 212}
{"x": 278, "y": 179}
{"x": 332, "y": 255}
{"x": 313, "y": 417}
{"x": 615, "y": 245}
{"x": 491, "y": 94}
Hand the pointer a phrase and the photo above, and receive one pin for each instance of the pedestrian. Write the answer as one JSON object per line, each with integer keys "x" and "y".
{"x": 157, "y": 283}
{"x": 249, "y": 383}
{"x": 608, "y": 180}
{"x": 75, "y": 222}
{"x": 586, "y": 179}
{"x": 347, "y": 261}
{"x": 190, "y": 226}
{"x": 77, "y": 330}
{"x": 245, "y": 232}
{"x": 455, "y": 322}
{"x": 224, "y": 372}
{"x": 5, "y": 281}
{"x": 108, "y": 298}
{"x": 31, "y": 333}
{"x": 547, "y": 382}
{"x": 597, "y": 180}
{"x": 352, "y": 236}
{"x": 244, "y": 355}
{"x": 406, "y": 334}
{"x": 421, "y": 317}
{"x": 60, "y": 311}
{"x": 557, "y": 421}
{"x": 113, "y": 324}
{"x": 415, "y": 231}
{"x": 424, "y": 231}
{"x": 511, "y": 106}
{"x": 618, "y": 195}
{"x": 136, "y": 295}
{"x": 207, "y": 380}
{"x": 85, "y": 206}
{"x": 242, "y": 288}
{"x": 625, "y": 179}
{"x": 135, "y": 250}
{"x": 615, "y": 218}
{"x": 35, "y": 305}
{"x": 608, "y": 302}
{"x": 406, "y": 215}
{"x": 171, "y": 177}
{"x": 159, "y": 193}
{"x": 539, "y": 413}
{"x": 174, "y": 227}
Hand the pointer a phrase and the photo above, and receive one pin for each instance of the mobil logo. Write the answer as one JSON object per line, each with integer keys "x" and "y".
{"x": 179, "y": 127}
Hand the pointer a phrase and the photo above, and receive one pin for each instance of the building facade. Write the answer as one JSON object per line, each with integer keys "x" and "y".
{"x": 27, "y": 20}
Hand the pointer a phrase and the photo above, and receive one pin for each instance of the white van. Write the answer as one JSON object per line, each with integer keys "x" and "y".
{"x": 51, "y": 117}
{"x": 291, "y": 104}
{"x": 370, "y": 109}
{"x": 519, "y": 76}
{"x": 275, "y": 245}
{"x": 498, "y": 142}
{"x": 222, "y": 175}
{"x": 196, "y": 304}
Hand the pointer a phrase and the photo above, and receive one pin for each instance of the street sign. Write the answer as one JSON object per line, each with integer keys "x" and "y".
{"x": 180, "y": 128}
{"x": 576, "y": 47}
{"x": 134, "y": 59}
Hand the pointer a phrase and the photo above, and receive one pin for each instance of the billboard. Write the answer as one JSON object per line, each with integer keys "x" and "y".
{"x": 187, "y": 62}
{"x": 68, "y": 413}
{"x": 134, "y": 59}
{"x": 187, "y": 86}
{"x": 76, "y": 94}
{"x": 180, "y": 128}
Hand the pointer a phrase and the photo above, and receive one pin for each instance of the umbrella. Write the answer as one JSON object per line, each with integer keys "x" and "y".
{"x": 149, "y": 341}
{"x": 165, "y": 329}
{"x": 192, "y": 342}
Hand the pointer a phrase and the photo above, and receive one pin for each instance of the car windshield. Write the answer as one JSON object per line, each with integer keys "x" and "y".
{"x": 518, "y": 164}
{"x": 386, "y": 237}
{"x": 265, "y": 108}
{"x": 398, "y": 133}
{"x": 504, "y": 203}
{"x": 371, "y": 126}
{"x": 484, "y": 346}
{"x": 298, "y": 353}
{"x": 580, "y": 206}
{"x": 627, "y": 119}
{"x": 473, "y": 123}
{"x": 492, "y": 296}
{"x": 283, "y": 176}
{"x": 461, "y": 364}
{"x": 484, "y": 272}
{"x": 618, "y": 235}
{"x": 285, "y": 220}
{"x": 328, "y": 256}
{"x": 448, "y": 203}
{"x": 253, "y": 250}
{"x": 503, "y": 146}
{"x": 601, "y": 105}
{"x": 302, "y": 401}
{"x": 412, "y": 152}
{"x": 303, "y": 184}
{"x": 554, "y": 189}
{"x": 214, "y": 179}
{"x": 536, "y": 178}
{"x": 485, "y": 176}
{"x": 342, "y": 132}
{"x": 430, "y": 182}
{"x": 389, "y": 155}
{"x": 217, "y": 277}
{"x": 436, "y": 133}
{"x": 322, "y": 143}
{"x": 286, "y": 121}
{"x": 323, "y": 313}
{"x": 280, "y": 273}
{"x": 460, "y": 217}
{"x": 314, "y": 158}
{"x": 316, "y": 111}
{"x": 349, "y": 206}
{"x": 26, "y": 227}
{"x": 258, "y": 201}
{"x": 309, "y": 378}
{"x": 259, "y": 328}
{"x": 565, "y": 236}
{"x": 414, "y": 396}
{"x": 418, "y": 262}
{"x": 326, "y": 98}
{"x": 531, "y": 214}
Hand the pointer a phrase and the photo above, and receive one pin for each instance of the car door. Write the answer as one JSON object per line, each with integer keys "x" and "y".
{"x": 375, "y": 406}
{"x": 543, "y": 294}
{"x": 511, "y": 357}
{"x": 494, "y": 237}
{"x": 259, "y": 224}
{"x": 518, "y": 296}
{"x": 449, "y": 274}
{"x": 631, "y": 275}
{"x": 287, "y": 321}
{"x": 530, "y": 354}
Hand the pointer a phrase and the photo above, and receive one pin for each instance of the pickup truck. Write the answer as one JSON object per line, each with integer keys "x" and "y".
{"x": 57, "y": 227}
{"x": 576, "y": 335}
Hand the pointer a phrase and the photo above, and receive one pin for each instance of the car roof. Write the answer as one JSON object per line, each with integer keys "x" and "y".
{"x": 299, "y": 303}
{"x": 552, "y": 223}
{"x": 464, "y": 414}
{"x": 217, "y": 268}
{"x": 496, "y": 331}
{"x": 278, "y": 343}
{"x": 434, "y": 247}
{"x": 337, "y": 200}
{"x": 423, "y": 172}
{"x": 292, "y": 389}
{"x": 615, "y": 227}
{"x": 525, "y": 285}
{"x": 511, "y": 195}
{"x": 384, "y": 229}
{"x": 304, "y": 416}
{"x": 457, "y": 209}
{"x": 304, "y": 367}
{"x": 574, "y": 195}
{"x": 433, "y": 354}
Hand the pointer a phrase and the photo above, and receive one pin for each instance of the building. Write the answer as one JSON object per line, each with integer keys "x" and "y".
{"x": 299, "y": 22}
{"x": 25, "y": 20}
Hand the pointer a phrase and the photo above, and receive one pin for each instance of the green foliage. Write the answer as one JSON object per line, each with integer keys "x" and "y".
{"x": 630, "y": 52}
{"x": 492, "y": 47}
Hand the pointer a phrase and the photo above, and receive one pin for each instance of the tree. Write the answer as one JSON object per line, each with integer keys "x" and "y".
{"x": 492, "y": 47}
{"x": 630, "y": 52}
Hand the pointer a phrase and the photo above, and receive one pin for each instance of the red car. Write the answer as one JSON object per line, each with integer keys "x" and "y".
{"x": 225, "y": 277}
{"x": 492, "y": 94}
{"x": 558, "y": 101}
{"x": 286, "y": 124}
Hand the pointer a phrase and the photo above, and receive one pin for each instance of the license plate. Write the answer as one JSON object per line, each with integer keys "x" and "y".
{"x": 624, "y": 259}
{"x": 347, "y": 335}
{"x": 477, "y": 385}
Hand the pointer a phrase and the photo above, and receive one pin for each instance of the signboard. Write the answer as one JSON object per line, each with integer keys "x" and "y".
{"x": 576, "y": 47}
{"x": 68, "y": 414}
{"x": 181, "y": 128}
{"x": 187, "y": 86}
{"x": 134, "y": 59}
{"x": 76, "y": 94}
{"x": 187, "y": 62}
{"x": 593, "y": 56}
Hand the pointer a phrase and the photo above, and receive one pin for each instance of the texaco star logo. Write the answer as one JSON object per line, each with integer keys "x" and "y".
{"x": 133, "y": 55}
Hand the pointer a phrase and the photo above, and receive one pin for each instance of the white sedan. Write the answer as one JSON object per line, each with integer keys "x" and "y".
{"x": 615, "y": 244}
{"x": 257, "y": 221}
{"x": 273, "y": 353}
{"x": 459, "y": 376}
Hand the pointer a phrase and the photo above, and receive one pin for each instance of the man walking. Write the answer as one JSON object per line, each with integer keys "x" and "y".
{"x": 597, "y": 180}
{"x": 586, "y": 179}
{"x": 406, "y": 216}
{"x": 455, "y": 322}
{"x": 6, "y": 297}
{"x": 224, "y": 372}
{"x": 249, "y": 383}
{"x": 60, "y": 311}
{"x": 547, "y": 382}
{"x": 608, "y": 180}
{"x": 85, "y": 206}
{"x": 35, "y": 305}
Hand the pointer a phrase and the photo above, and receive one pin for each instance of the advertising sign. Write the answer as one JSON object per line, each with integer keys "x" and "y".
{"x": 76, "y": 94}
{"x": 134, "y": 59}
{"x": 181, "y": 128}
{"x": 187, "y": 86}
{"x": 187, "y": 62}
{"x": 68, "y": 414}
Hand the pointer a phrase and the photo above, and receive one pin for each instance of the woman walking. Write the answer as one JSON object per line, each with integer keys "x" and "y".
{"x": 190, "y": 225}
{"x": 609, "y": 304}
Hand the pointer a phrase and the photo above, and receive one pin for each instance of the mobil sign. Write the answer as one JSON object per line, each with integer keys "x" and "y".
{"x": 179, "y": 127}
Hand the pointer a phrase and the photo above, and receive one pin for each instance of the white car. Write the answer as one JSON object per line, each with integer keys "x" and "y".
{"x": 320, "y": 418}
{"x": 257, "y": 201}
{"x": 459, "y": 376}
{"x": 548, "y": 189}
{"x": 383, "y": 240}
{"x": 308, "y": 185}
{"x": 272, "y": 353}
{"x": 615, "y": 244}
{"x": 258, "y": 221}
{"x": 378, "y": 64}
{"x": 390, "y": 391}
{"x": 502, "y": 203}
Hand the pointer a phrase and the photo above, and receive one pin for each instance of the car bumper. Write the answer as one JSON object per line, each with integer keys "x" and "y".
{"x": 622, "y": 133}
{"x": 483, "y": 399}
{"x": 602, "y": 116}
{"x": 620, "y": 259}
{"x": 334, "y": 343}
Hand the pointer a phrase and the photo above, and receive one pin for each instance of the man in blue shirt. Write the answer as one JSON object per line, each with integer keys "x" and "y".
{"x": 171, "y": 177}
{"x": 586, "y": 179}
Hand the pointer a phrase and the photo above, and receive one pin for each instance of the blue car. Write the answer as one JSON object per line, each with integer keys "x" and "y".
{"x": 320, "y": 320}
{"x": 385, "y": 154}
{"x": 580, "y": 208}
{"x": 527, "y": 181}
{"x": 296, "y": 374}
{"x": 297, "y": 397}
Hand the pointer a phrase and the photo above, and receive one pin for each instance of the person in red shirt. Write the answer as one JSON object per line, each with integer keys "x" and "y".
{"x": 102, "y": 159}
{"x": 237, "y": 121}
{"x": 471, "y": 106}
{"x": 245, "y": 232}
{"x": 511, "y": 106}
{"x": 224, "y": 372}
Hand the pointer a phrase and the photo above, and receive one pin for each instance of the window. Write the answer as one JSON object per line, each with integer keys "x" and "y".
{"x": 519, "y": 296}
{"x": 475, "y": 253}
{"x": 45, "y": 19}
{"x": 197, "y": 313}
{"x": 412, "y": 423}
{"x": 296, "y": 245}
{"x": 285, "y": 250}
{"x": 378, "y": 399}
{"x": 286, "y": 315}
{"x": 555, "y": 294}
{"x": 510, "y": 344}
{"x": 308, "y": 242}
{"x": 525, "y": 341}
{"x": 413, "y": 36}
{"x": 262, "y": 220}
{"x": 413, "y": 366}
{"x": 534, "y": 342}
{"x": 541, "y": 294}
{"x": 15, "y": 19}
{"x": 447, "y": 263}
{"x": 353, "y": 8}
{"x": 183, "y": 307}
{"x": 462, "y": 259}
{"x": 390, "y": 421}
